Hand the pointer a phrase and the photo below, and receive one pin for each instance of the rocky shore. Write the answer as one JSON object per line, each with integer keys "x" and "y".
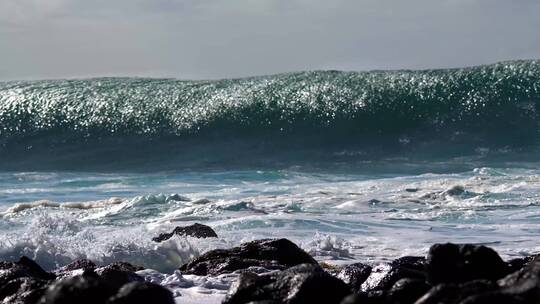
{"x": 278, "y": 271}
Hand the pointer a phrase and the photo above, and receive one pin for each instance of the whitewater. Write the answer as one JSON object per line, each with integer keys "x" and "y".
{"x": 351, "y": 166}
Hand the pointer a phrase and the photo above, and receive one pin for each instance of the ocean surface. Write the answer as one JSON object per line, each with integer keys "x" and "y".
{"x": 352, "y": 166}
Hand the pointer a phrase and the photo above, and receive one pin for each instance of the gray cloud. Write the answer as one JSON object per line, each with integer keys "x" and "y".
{"x": 216, "y": 38}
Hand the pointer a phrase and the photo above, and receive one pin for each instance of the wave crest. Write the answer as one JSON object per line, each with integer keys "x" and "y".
{"x": 493, "y": 103}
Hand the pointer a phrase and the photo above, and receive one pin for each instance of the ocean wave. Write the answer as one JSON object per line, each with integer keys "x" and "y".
{"x": 370, "y": 101}
{"x": 48, "y": 204}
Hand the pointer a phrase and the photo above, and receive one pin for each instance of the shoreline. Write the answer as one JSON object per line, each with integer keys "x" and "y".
{"x": 278, "y": 271}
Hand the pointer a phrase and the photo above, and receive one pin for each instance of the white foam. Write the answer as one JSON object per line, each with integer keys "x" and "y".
{"x": 69, "y": 205}
{"x": 324, "y": 246}
{"x": 192, "y": 288}
{"x": 54, "y": 241}
{"x": 342, "y": 219}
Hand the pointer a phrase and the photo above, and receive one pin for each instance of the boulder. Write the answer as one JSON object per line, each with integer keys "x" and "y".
{"x": 24, "y": 290}
{"x": 306, "y": 283}
{"x": 385, "y": 276}
{"x": 78, "y": 265}
{"x": 354, "y": 275}
{"x": 451, "y": 263}
{"x": 370, "y": 297}
{"x": 24, "y": 268}
{"x": 87, "y": 288}
{"x": 408, "y": 290}
{"x": 118, "y": 274}
{"x": 523, "y": 284}
{"x": 518, "y": 263}
{"x": 196, "y": 230}
{"x": 450, "y": 293}
{"x": 142, "y": 293}
{"x": 267, "y": 253}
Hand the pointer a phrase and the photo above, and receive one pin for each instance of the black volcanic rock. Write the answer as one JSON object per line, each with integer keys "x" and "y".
{"x": 87, "y": 288}
{"x": 81, "y": 264}
{"x": 354, "y": 275}
{"x": 408, "y": 290}
{"x": 523, "y": 284}
{"x": 118, "y": 274}
{"x": 403, "y": 268}
{"x": 268, "y": 253}
{"x": 142, "y": 293}
{"x": 404, "y": 291}
{"x": 23, "y": 290}
{"x": 410, "y": 262}
{"x": 306, "y": 283}
{"x": 518, "y": 263}
{"x": 451, "y": 263}
{"x": 457, "y": 293}
{"x": 125, "y": 266}
{"x": 453, "y": 274}
{"x": 24, "y": 268}
{"x": 196, "y": 230}
{"x": 520, "y": 287}
{"x": 385, "y": 276}
{"x": 370, "y": 297}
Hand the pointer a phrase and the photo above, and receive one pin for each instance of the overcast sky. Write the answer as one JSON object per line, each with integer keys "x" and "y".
{"x": 230, "y": 38}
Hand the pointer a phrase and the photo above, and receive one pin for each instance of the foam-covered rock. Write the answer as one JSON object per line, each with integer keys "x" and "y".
{"x": 196, "y": 230}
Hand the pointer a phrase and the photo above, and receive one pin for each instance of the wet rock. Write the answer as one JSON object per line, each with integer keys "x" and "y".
{"x": 125, "y": 266}
{"x": 178, "y": 198}
{"x": 81, "y": 264}
{"x": 455, "y": 190}
{"x": 410, "y": 262}
{"x": 25, "y": 267}
{"x": 354, "y": 275}
{"x": 523, "y": 284}
{"x": 404, "y": 291}
{"x": 195, "y": 230}
{"x": 407, "y": 290}
{"x": 518, "y": 263}
{"x": 202, "y": 201}
{"x": 306, "y": 283}
{"x": 401, "y": 268}
{"x": 267, "y": 253}
{"x": 331, "y": 268}
{"x": 87, "y": 288}
{"x": 23, "y": 290}
{"x": 118, "y": 274}
{"x": 371, "y": 297}
{"x": 451, "y": 263}
{"x": 495, "y": 297}
{"x": 457, "y": 293}
{"x": 143, "y": 293}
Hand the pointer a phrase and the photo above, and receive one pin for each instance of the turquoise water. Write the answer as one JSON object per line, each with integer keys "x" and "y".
{"x": 56, "y": 217}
